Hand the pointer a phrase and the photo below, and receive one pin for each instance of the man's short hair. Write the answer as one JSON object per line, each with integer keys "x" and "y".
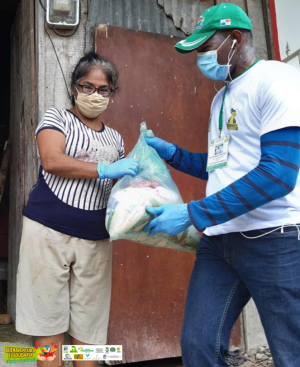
{"x": 245, "y": 32}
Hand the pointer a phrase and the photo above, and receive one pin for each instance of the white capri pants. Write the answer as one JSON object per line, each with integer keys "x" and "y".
{"x": 63, "y": 284}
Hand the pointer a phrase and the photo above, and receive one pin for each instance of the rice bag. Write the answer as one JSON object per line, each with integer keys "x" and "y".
{"x": 153, "y": 186}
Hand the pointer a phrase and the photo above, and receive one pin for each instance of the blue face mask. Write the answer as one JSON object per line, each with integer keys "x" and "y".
{"x": 208, "y": 64}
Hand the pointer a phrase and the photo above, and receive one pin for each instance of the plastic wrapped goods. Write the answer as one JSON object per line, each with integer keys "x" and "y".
{"x": 153, "y": 186}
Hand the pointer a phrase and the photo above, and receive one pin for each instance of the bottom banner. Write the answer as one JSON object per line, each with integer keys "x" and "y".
{"x": 92, "y": 352}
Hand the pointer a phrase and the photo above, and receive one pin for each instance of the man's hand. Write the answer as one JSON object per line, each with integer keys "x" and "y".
{"x": 164, "y": 149}
{"x": 171, "y": 219}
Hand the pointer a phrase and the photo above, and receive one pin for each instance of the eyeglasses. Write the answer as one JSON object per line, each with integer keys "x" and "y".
{"x": 87, "y": 89}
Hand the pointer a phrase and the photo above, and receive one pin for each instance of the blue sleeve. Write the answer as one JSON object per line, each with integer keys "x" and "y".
{"x": 193, "y": 164}
{"x": 274, "y": 177}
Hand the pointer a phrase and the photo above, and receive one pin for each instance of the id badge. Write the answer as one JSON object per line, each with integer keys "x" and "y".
{"x": 217, "y": 153}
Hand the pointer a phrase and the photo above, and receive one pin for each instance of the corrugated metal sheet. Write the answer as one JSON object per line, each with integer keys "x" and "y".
{"x": 143, "y": 15}
{"x": 241, "y": 3}
{"x": 168, "y": 17}
{"x": 185, "y": 13}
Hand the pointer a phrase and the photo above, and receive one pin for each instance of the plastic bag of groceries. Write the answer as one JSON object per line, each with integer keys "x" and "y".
{"x": 153, "y": 186}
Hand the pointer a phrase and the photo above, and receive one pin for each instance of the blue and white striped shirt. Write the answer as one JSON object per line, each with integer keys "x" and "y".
{"x": 83, "y": 201}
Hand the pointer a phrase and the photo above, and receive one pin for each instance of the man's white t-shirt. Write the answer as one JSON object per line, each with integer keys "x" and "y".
{"x": 263, "y": 99}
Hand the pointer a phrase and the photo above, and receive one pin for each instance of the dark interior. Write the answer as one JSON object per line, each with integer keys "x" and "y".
{"x": 8, "y": 11}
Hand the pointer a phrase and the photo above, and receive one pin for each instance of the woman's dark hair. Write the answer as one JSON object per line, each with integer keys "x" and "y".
{"x": 84, "y": 65}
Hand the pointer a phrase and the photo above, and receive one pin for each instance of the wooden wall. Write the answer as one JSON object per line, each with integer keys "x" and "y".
{"x": 23, "y": 168}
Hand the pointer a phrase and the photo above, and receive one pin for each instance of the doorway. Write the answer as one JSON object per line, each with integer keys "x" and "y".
{"x": 8, "y": 12}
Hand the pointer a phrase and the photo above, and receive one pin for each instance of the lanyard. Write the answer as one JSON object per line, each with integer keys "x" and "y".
{"x": 223, "y": 98}
{"x": 221, "y": 112}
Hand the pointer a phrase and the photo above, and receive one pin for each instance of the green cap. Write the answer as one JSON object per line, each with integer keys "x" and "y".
{"x": 219, "y": 17}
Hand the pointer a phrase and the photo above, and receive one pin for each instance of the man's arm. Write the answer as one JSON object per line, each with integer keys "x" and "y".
{"x": 274, "y": 177}
{"x": 193, "y": 164}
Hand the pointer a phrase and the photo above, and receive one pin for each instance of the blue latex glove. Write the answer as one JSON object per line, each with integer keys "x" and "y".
{"x": 164, "y": 149}
{"x": 171, "y": 219}
{"x": 126, "y": 166}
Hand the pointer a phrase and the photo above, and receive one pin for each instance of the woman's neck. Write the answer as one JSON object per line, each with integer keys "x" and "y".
{"x": 93, "y": 123}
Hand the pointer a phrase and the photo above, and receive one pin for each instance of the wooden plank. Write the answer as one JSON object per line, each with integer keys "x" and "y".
{"x": 23, "y": 171}
{"x": 4, "y": 169}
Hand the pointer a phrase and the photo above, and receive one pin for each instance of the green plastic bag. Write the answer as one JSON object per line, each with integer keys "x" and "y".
{"x": 153, "y": 186}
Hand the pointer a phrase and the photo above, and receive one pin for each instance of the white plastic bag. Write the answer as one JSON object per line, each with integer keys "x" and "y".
{"x": 153, "y": 186}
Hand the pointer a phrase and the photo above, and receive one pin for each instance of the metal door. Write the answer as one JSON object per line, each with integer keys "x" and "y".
{"x": 165, "y": 89}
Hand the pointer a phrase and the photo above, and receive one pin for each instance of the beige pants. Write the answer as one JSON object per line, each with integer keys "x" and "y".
{"x": 63, "y": 284}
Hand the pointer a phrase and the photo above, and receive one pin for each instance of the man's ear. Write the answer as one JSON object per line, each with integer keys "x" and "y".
{"x": 236, "y": 37}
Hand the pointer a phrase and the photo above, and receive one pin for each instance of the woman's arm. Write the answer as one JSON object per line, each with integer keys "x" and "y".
{"x": 51, "y": 144}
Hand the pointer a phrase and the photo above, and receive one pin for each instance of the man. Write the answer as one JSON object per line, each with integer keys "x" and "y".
{"x": 251, "y": 214}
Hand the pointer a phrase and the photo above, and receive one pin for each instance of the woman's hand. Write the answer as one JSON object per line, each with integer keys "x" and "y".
{"x": 118, "y": 169}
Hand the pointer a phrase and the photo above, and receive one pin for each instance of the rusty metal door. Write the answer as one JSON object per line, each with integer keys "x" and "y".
{"x": 166, "y": 89}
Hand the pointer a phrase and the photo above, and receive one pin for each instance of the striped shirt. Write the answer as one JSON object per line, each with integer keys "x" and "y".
{"x": 83, "y": 200}
{"x": 260, "y": 186}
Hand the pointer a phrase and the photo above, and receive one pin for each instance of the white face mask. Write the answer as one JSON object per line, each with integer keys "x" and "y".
{"x": 91, "y": 105}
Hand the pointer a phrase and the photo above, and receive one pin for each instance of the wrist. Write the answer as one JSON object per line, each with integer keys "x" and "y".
{"x": 101, "y": 168}
{"x": 171, "y": 151}
{"x": 186, "y": 215}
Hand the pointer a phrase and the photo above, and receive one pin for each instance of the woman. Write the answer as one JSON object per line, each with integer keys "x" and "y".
{"x": 64, "y": 273}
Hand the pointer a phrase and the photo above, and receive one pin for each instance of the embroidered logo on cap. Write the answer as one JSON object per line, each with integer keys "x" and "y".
{"x": 200, "y": 22}
{"x": 225, "y": 22}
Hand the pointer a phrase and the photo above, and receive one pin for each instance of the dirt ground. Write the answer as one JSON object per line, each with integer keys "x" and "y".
{"x": 177, "y": 362}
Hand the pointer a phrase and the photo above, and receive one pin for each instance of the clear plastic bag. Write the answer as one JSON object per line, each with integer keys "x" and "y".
{"x": 153, "y": 186}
